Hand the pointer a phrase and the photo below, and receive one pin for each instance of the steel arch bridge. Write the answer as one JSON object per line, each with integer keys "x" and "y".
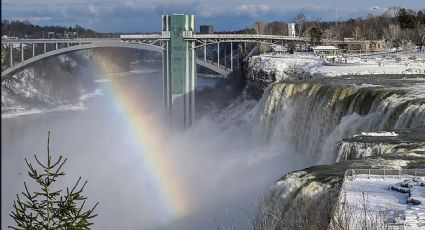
{"x": 70, "y": 45}
{"x": 177, "y": 44}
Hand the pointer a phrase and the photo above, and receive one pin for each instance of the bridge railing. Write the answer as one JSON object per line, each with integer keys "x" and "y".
{"x": 187, "y": 34}
{"x": 144, "y": 36}
{"x": 59, "y": 41}
{"x": 244, "y": 36}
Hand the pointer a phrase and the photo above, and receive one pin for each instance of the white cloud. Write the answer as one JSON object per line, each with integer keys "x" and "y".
{"x": 253, "y": 10}
{"x": 38, "y": 19}
{"x": 130, "y": 4}
{"x": 208, "y": 11}
{"x": 93, "y": 9}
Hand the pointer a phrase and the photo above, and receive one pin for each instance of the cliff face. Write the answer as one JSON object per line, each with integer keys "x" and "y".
{"x": 65, "y": 80}
{"x": 403, "y": 144}
{"x": 261, "y": 71}
{"x": 342, "y": 119}
{"x": 267, "y": 68}
{"x": 47, "y": 84}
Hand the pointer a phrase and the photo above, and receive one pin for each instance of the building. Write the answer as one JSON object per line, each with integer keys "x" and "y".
{"x": 206, "y": 29}
{"x": 279, "y": 50}
{"x": 50, "y": 35}
{"x": 70, "y": 35}
{"x": 291, "y": 29}
{"x": 374, "y": 46}
{"x": 325, "y": 51}
{"x": 349, "y": 45}
{"x": 179, "y": 70}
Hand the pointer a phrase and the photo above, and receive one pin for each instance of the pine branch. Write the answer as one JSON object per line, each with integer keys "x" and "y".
{"x": 47, "y": 209}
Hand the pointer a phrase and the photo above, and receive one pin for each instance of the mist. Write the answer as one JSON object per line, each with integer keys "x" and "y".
{"x": 222, "y": 163}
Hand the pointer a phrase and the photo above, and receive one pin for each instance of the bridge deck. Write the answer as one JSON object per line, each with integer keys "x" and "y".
{"x": 238, "y": 37}
{"x": 243, "y": 37}
{"x": 76, "y": 40}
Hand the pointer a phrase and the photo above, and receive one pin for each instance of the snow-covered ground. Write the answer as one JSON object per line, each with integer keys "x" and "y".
{"x": 378, "y": 134}
{"x": 283, "y": 65}
{"x": 373, "y": 197}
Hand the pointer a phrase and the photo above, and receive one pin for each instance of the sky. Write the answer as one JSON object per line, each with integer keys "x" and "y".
{"x": 144, "y": 15}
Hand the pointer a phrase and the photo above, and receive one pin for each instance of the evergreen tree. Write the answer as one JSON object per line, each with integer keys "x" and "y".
{"x": 316, "y": 36}
{"x": 406, "y": 19}
{"x": 421, "y": 17}
{"x": 50, "y": 208}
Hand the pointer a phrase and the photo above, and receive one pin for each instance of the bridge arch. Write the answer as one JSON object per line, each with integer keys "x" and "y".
{"x": 9, "y": 71}
{"x": 141, "y": 46}
{"x": 234, "y": 41}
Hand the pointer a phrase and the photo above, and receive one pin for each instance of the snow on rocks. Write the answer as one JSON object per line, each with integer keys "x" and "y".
{"x": 394, "y": 200}
{"x": 411, "y": 182}
{"x": 309, "y": 65}
{"x": 372, "y": 69}
{"x": 283, "y": 65}
{"x": 378, "y": 134}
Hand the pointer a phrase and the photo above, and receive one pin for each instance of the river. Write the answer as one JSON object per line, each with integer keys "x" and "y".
{"x": 220, "y": 165}
{"x": 145, "y": 176}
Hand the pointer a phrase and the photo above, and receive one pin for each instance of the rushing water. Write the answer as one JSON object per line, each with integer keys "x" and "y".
{"x": 314, "y": 115}
{"x": 225, "y": 166}
{"x": 224, "y": 163}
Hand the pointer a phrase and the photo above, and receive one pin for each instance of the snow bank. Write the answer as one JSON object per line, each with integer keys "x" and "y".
{"x": 283, "y": 65}
{"x": 310, "y": 65}
{"x": 378, "y": 134}
{"x": 386, "y": 199}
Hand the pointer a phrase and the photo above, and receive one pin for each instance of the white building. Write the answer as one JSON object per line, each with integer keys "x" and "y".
{"x": 291, "y": 29}
{"x": 278, "y": 49}
{"x": 325, "y": 51}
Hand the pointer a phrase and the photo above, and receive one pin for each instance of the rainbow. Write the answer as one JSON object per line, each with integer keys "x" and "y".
{"x": 170, "y": 190}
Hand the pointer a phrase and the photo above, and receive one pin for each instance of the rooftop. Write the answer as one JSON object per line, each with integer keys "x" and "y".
{"x": 325, "y": 48}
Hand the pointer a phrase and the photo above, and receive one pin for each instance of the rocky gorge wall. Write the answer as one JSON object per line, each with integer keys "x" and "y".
{"x": 49, "y": 83}
{"x": 319, "y": 118}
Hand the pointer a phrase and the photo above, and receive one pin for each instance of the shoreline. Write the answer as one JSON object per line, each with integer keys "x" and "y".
{"x": 309, "y": 65}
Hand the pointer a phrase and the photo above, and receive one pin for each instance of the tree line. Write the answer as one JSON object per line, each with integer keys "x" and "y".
{"x": 24, "y": 29}
{"x": 396, "y": 26}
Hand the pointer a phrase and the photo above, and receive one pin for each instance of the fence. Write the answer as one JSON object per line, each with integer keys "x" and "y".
{"x": 351, "y": 173}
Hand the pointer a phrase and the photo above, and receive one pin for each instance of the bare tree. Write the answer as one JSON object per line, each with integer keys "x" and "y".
{"x": 357, "y": 33}
{"x": 259, "y": 27}
{"x": 327, "y": 33}
{"x": 392, "y": 35}
{"x": 301, "y": 210}
{"x": 277, "y": 28}
{"x": 358, "y": 215}
{"x": 300, "y": 19}
{"x": 392, "y": 12}
{"x": 419, "y": 36}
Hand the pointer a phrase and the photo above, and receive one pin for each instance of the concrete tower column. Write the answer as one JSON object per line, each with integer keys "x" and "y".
{"x": 205, "y": 52}
{"x": 225, "y": 58}
{"x": 231, "y": 56}
{"x": 33, "y": 49}
{"x": 218, "y": 54}
{"x": 179, "y": 70}
{"x": 22, "y": 52}
{"x": 11, "y": 54}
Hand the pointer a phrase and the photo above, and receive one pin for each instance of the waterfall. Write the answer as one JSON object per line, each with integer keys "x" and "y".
{"x": 409, "y": 143}
{"x": 313, "y": 116}
{"x": 332, "y": 119}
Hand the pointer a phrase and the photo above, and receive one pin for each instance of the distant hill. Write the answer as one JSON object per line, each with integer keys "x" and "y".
{"x": 24, "y": 29}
